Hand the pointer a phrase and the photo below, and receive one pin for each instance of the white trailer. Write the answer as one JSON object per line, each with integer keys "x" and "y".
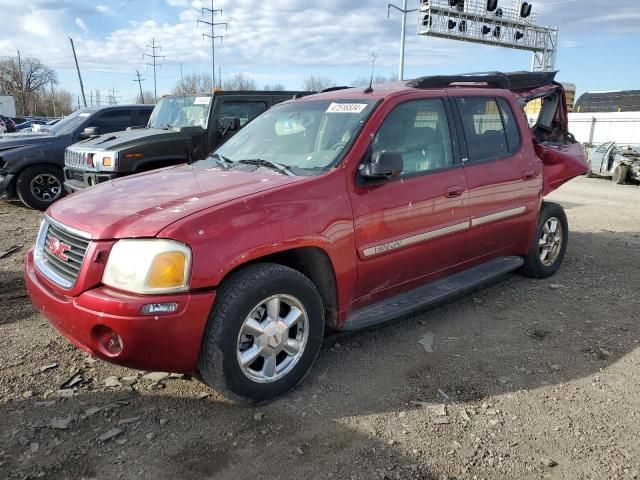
{"x": 7, "y": 106}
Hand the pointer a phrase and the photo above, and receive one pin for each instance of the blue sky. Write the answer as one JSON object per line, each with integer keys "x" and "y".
{"x": 284, "y": 41}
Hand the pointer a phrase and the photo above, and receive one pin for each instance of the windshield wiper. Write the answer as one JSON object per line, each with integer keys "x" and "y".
{"x": 268, "y": 163}
{"x": 222, "y": 160}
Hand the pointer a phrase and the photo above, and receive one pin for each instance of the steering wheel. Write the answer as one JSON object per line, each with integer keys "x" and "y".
{"x": 339, "y": 145}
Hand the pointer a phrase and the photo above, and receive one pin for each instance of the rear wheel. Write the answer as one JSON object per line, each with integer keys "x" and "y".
{"x": 620, "y": 174}
{"x": 550, "y": 243}
{"x": 40, "y": 186}
{"x": 264, "y": 333}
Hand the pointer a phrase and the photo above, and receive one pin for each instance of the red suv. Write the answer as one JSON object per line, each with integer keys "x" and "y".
{"x": 339, "y": 210}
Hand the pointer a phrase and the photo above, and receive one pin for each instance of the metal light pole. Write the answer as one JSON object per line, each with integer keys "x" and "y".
{"x": 404, "y": 12}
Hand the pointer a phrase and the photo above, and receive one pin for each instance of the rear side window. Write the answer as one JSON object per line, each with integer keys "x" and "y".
{"x": 143, "y": 115}
{"x": 510, "y": 126}
{"x": 483, "y": 127}
{"x": 113, "y": 121}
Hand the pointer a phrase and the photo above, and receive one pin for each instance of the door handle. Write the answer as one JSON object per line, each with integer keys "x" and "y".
{"x": 453, "y": 192}
{"x": 529, "y": 175}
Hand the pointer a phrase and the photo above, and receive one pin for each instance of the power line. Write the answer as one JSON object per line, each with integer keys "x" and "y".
{"x": 140, "y": 80}
{"x": 213, "y": 37}
{"x": 153, "y": 56}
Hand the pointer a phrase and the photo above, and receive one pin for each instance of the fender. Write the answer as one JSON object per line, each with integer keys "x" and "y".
{"x": 315, "y": 213}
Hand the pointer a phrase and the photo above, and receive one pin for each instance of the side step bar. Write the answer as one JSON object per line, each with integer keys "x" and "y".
{"x": 431, "y": 294}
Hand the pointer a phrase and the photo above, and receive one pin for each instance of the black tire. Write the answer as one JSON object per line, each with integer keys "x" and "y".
{"x": 534, "y": 266}
{"x": 51, "y": 177}
{"x": 620, "y": 174}
{"x": 236, "y": 299}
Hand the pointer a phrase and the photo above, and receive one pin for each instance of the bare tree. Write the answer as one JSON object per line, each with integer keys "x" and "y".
{"x": 317, "y": 83}
{"x": 193, "y": 83}
{"x": 147, "y": 98}
{"x": 274, "y": 87}
{"x": 239, "y": 82}
{"x": 364, "y": 81}
{"x": 22, "y": 77}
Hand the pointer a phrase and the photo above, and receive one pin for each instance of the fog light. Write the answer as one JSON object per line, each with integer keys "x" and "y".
{"x": 155, "y": 308}
{"x": 109, "y": 341}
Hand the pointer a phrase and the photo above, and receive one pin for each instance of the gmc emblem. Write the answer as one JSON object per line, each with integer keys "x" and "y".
{"x": 58, "y": 248}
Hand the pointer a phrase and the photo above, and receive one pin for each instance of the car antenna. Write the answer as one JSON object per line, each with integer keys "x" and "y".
{"x": 373, "y": 57}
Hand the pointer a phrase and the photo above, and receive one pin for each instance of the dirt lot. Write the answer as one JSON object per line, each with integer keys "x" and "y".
{"x": 524, "y": 379}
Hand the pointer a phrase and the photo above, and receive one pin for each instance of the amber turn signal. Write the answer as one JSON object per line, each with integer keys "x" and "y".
{"x": 167, "y": 270}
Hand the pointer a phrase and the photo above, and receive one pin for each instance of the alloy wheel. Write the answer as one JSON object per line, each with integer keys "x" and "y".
{"x": 45, "y": 187}
{"x": 272, "y": 338}
{"x": 550, "y": 242}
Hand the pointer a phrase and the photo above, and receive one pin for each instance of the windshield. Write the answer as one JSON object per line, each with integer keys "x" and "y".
{"x": 183, "y": 111}
{"x": 69, "y": 123}
{"x": 307, "y": 137}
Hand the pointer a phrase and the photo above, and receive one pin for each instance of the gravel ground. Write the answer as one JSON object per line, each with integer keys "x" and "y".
{"x": 521, "y": 380}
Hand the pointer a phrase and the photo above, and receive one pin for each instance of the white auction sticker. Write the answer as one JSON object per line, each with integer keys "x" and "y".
{"x": 346, "y": 107}
{"x": 84, "y": 115}
{"x": 202, "y": 101}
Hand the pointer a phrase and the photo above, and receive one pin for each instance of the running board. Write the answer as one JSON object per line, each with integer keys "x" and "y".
{"x": 430, "y": 294}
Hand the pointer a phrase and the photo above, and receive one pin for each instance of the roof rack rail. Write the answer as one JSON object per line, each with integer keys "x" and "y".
{"x": 333, "y": 89}
{"x": 509, "y": 81}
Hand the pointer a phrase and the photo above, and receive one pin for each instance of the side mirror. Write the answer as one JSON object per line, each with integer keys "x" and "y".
{"x": 383, "y": 164}
{"x": 89, "y": 132}
{"x": 228, "y": 124}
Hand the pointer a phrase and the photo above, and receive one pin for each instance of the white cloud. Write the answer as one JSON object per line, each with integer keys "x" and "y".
{"x": 102, "y": 9}
{"x": 79, "y": 22}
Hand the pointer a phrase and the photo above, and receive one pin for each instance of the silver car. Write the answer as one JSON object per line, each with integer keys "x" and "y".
{"x": 611, "y": 160}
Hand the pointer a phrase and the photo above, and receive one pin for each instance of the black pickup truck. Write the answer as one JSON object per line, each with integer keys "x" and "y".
{"x": 182, "y": 128}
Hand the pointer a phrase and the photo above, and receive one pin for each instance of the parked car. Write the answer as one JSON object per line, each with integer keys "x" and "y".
{"x": 3, "y": 126}
{"x": 339, "y": 210}
{"x": 31, "y": 164}
{"x": 29, "y": 124}
{"x": 9, "y": 124}
{"x": 182, "y": 128}
{"x": 617, "y": 162}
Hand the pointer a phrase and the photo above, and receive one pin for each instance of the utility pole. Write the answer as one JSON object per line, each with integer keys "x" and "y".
{"x": 403, "y": 35}
{"x": 219, "y": 77}
{"x": 73, "y": 48}
{"x": 213, "y": 37}
{"x": 154, "y": 58}
{"x": 53, "y": 99}
{"x": 24, "y": 106}
{"x": 140, "y": 80}
{"x": 112, "y": 97}
{"x": 98, "y": 97}
{"x": 91, "y": 93}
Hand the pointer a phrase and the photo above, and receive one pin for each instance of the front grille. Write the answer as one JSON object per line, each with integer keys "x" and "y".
{"x": 62, "y": 267}
{"x": 75, "y": 159}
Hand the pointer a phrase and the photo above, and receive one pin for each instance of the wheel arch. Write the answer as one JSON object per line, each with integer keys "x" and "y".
{"x": 315, "y": 264}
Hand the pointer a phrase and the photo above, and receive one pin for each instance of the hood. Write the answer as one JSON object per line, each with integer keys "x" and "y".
{"x": 143, "y": 205}
{"x": 130, "y": 139}
{"x": 15, "y": 140}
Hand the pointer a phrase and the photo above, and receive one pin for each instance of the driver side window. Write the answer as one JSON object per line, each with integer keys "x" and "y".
{"x": 419, "y": 131}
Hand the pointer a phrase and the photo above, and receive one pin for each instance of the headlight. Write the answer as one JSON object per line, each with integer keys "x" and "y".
{"x": 105, "y": 161}
{"x": 148, "y": 266}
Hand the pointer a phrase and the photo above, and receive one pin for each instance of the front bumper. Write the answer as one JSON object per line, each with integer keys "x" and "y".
{"x": 76, "y": 180}
{"x": 6, "y": 185}
{"x": 167, "y": 343}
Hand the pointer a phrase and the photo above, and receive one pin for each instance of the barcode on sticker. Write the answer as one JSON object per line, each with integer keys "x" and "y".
{"x": 346, "y": 107}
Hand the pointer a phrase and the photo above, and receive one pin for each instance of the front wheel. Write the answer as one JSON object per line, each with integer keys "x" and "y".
{"x": 620, "y": 174}
{"x": 264, "y": 333}
{"x": 40, "y": 185}
{"x": 550, "y": 243}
